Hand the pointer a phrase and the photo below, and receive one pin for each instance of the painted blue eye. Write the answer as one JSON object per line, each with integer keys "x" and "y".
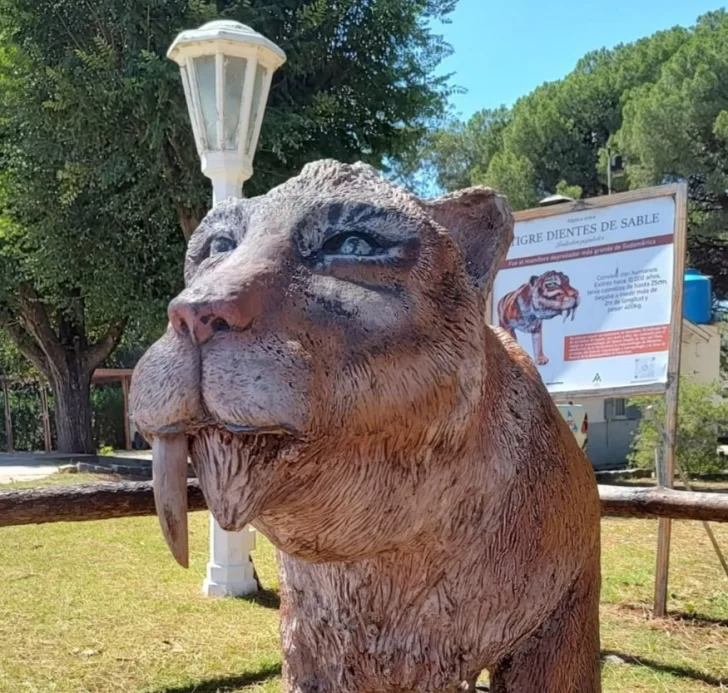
{"x": 352, "y": 245}
{"x": 221, "y": 245}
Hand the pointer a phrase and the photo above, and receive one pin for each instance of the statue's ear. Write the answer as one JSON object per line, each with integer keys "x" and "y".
{"x": 481, "y": 223}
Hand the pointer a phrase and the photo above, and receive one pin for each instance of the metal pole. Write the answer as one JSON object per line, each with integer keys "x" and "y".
{"x": 230, "y": 570}
{"x": 609, "y": 171}
{"x": 224, "y": 187}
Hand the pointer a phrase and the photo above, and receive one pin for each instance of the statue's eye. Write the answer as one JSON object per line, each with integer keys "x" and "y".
{"x": 352, "y": 245}
{"x": 221, "y": 245}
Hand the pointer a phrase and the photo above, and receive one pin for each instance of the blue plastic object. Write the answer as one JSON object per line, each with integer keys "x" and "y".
{"x": 697, "y": 298}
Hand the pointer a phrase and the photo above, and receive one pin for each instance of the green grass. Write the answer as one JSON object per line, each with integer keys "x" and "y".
{"x": 687, "y": 652}
{"x": 101, "y": 607}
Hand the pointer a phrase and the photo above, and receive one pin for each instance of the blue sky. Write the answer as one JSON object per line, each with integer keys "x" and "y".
{"x": 506, "y": 48}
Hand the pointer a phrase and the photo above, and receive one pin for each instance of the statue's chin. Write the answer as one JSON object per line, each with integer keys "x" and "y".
{"x": 234, "y": 471}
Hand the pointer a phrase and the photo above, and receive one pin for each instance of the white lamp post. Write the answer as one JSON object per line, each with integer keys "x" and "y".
{"x": 226, "y": 74}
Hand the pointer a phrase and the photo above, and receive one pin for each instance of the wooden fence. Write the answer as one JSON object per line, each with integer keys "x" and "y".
{"x": 104, "y": 501}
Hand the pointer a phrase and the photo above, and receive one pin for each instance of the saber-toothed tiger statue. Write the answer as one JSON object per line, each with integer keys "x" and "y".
{"x": 330, "y": 372}
{"x": 541, "y": 298}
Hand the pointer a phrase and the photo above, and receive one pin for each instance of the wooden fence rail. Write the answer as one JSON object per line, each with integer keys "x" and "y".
{"x": 104, "y": 501}
{"x": 618, "y": 501}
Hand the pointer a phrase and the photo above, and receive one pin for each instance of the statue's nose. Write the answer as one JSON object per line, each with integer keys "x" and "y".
{"x": 226, "y": 301}
{"x": 201, "y": 320}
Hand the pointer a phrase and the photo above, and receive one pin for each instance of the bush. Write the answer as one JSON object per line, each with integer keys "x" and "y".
{"x": 107, "y": 411}
{"x": 702, "y": 412}
{"x": 26, "y": 412}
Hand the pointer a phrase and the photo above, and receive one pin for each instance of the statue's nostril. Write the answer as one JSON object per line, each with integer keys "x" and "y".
{"x": 182, "y": 327}
{"x": 220, "y": 325}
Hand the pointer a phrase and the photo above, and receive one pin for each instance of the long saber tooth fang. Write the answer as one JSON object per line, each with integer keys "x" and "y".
{"x": 169, "y": 471}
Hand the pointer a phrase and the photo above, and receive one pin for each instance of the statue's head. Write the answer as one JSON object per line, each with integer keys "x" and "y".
{"x": 333, "y": 324}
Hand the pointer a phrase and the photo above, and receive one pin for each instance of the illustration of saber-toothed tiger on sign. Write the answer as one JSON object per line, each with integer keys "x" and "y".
{"x": 541, "y": 298}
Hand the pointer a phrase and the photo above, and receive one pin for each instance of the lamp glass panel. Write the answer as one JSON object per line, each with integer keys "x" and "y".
{"x": 205, "y": 71}
{"x": 234, "y": 79}
{"x": 256, "y": 108}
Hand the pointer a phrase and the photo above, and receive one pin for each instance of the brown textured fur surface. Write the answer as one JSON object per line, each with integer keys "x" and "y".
{"x": 433, "y": 513}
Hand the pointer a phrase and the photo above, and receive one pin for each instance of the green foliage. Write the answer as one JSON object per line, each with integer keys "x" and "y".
{"x": 702, "y": 413}
{"x": 26, "y": 412}
{"x": 97, "y": 150}
{"x": 98, "y": 169}
{"x": 107, "y": 408}
{"x": 675, "y": 125}
{"x": 457, "y": 152}
{"x": 661, "y": 103}
{"x": 561, "y": 128}
{"x": 12, "y": 362}
{"x": 573, "y": 191}
{"x": 512, "y": 173}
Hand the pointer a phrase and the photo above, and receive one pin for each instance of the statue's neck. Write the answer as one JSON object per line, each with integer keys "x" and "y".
{"x": 351, "y": 626}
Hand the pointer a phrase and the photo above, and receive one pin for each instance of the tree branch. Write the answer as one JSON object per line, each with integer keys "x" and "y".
{"x": 97, "y": 353}
{"x": 25, "y": 343}
{"x": 34, "y": 318}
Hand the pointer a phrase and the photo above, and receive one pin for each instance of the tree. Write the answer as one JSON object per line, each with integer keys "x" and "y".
{"x": 99, "y": 171}
{"x": 676, "y": 127}
{"x": 457, "y": 152}
{"x": 561, "y": 128}
{"x": 511, "y": 172}
{"x": 701, "y": 414}
{"x": 661, "y": 103}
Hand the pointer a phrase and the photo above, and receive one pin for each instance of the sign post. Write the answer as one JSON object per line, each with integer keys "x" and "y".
{"x": 593, "y": 291}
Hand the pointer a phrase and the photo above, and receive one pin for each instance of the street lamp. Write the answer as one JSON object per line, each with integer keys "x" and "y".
{"x": 226, "y": 69}
{"x": 226, "y": 75}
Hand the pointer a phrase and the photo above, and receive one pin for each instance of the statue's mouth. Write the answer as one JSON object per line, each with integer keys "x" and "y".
{"x": 223, "y": 456}
{"x": 188, "y": 428}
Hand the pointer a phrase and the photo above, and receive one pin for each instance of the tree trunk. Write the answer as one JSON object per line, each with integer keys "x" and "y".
{"x": 72, "y": 396}
{"x": 189, "y": 220}
{"x": 63, "y": 354}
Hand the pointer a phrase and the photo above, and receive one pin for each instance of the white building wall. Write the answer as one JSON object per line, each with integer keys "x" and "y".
{"x": 700, "y": 355}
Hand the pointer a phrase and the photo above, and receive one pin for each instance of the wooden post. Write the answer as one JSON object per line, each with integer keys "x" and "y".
{"x": 125, "y": 397}
{"x": 9, "y": 446}
{"x": 666, "y": 469}
{"x": 47, "y": 440}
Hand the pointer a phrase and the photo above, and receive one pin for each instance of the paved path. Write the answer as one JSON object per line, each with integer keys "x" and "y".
{"x": 28, "y": 466}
